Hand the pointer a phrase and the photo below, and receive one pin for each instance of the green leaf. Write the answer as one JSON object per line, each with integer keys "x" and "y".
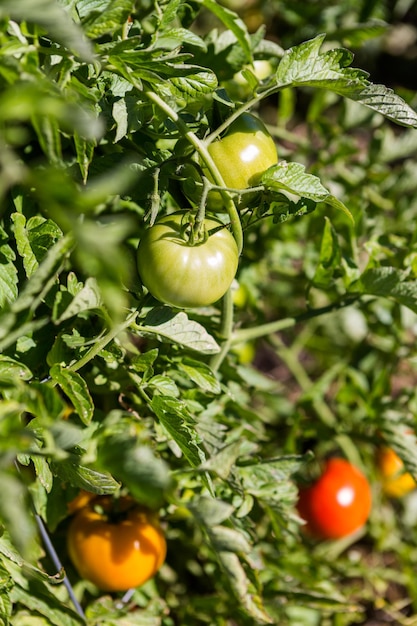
{"x": 44, "y": 277}
{"x": 45, "y": 603}
{"x": 178, "y": 423}
{"x": 388, "y": 282}
{"x": 403, "y": 441}
{"x": 86, "y": 298}
{"x": 104, "y": 16}
{"x": 329, "y": 262}
{"x": 145, "y": 475}
{"x": 8, "y": 271}
{"x": 34, "y": 238}
{"x": 293, "y": 178}
{"x": 242, "y": 587}
{"x": 169, "y": 326}
{"x": 71, "y": 470}
{"x": 54, "y": 19}
{"x": 13, "y": 507}
{"x": 76, "y": 389}
{"x": 200, "y": 374}
{"x": 305, "y": 65}
{"x": 210, "y": 511}
{"x": 10, "y": 369}
{"x": 233, "y": 23}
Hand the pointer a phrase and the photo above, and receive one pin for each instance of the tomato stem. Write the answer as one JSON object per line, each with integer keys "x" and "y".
{"x": 226, "y": 330}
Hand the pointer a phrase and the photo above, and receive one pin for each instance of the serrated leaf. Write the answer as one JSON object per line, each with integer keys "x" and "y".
{"x": 270, "y": 478}
{"x": 178, "y": 423}
{"x": 45, "y": 603}
{"x": 210, "y": 511}
{"x": 34, "y": 238}
{"x": 233, "y": 23}
{"x": 388, "y": 282}
{"x": 228, "y": 539}
{"x": 103, "y": 16}
{"x": 87, "y": 298}
{"x": 173, "y": 327}
{"x": 305, "y": 65}
{"x": 44, "y": 276}
{"x": 293, "y": 178}
{"x": 201, "y": 374}
{"x": 54, "y": 19}
{"x": 8, "y": 271}
{"x": 75, "y": 387}
{"x": 243, "y": 589}
{"x": 71, "y": 470}
{"x": 403, "y": 441}
{"x": 164, "y": 385}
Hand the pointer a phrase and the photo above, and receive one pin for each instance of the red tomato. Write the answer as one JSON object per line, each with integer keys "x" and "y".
{"x": 338, "y": 503}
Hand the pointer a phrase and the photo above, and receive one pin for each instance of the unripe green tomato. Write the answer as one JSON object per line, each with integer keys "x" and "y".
{"x": 185, "y": 275}
{"x": 239, "y": 88}
{"x": 245, "y": 152}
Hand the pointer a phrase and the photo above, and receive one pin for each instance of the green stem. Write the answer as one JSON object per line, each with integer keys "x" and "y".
{"x": 226, "y": 330}
{"x": 201, "y": 148}
{"x": 239, "y": 111}
{"x": 247, "y": 334}
{"x": 100, "y": 344}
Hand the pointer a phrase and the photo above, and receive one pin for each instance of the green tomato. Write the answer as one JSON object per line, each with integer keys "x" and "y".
{"x": 238, "y": 87}
{"x": 185, "y": 275}
{"x": 245, "y": 152}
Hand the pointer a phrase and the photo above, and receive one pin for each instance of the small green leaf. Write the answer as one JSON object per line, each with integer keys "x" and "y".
{"x": 8, "y": 271}
{"x": 210, "y": 511}
{"x": 103, "y": 16}
{"x": 87, "y": 298}
{"x": 147, "y": 476}
{"x": 178, "y": 423}
{"x": 10, "y": 369}
{"x": 75, "y": 387}
{"x": 173, "y": 327}
{"x": 388, "y": 282}
{"x": 201, "y": 374}
{"x": 233, "y": 23}
{"x": 13, "y": 507}
{"x": 292, "y": 177}
{"x": 72, "y": 471}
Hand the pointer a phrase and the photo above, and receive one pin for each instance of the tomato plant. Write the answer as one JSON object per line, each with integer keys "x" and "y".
{"x": 114, "y": 116}
{"x": 396, "y": 481}
{"x": 338, "y": 503}
{"x": 115, "y": 545}
{"x": 187, "y": 273}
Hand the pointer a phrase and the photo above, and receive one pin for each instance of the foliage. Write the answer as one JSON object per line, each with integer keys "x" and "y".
{"x": 103, "y": 107}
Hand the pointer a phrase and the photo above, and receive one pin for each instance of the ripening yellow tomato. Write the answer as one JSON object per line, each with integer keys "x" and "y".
{"x": 115, "y": 546}
{"x": 396, "y": 482}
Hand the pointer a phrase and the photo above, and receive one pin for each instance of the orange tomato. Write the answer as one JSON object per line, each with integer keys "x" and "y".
{"x": 396, "y": 482}
{"x": 338, "y": 503}
{"x": 116, "y": 546}
{"x": 80, "y": 501}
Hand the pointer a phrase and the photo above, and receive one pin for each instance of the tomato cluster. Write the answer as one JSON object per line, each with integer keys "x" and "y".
{"x": 115, "y": 544}
{"x": 185, "y": 268}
